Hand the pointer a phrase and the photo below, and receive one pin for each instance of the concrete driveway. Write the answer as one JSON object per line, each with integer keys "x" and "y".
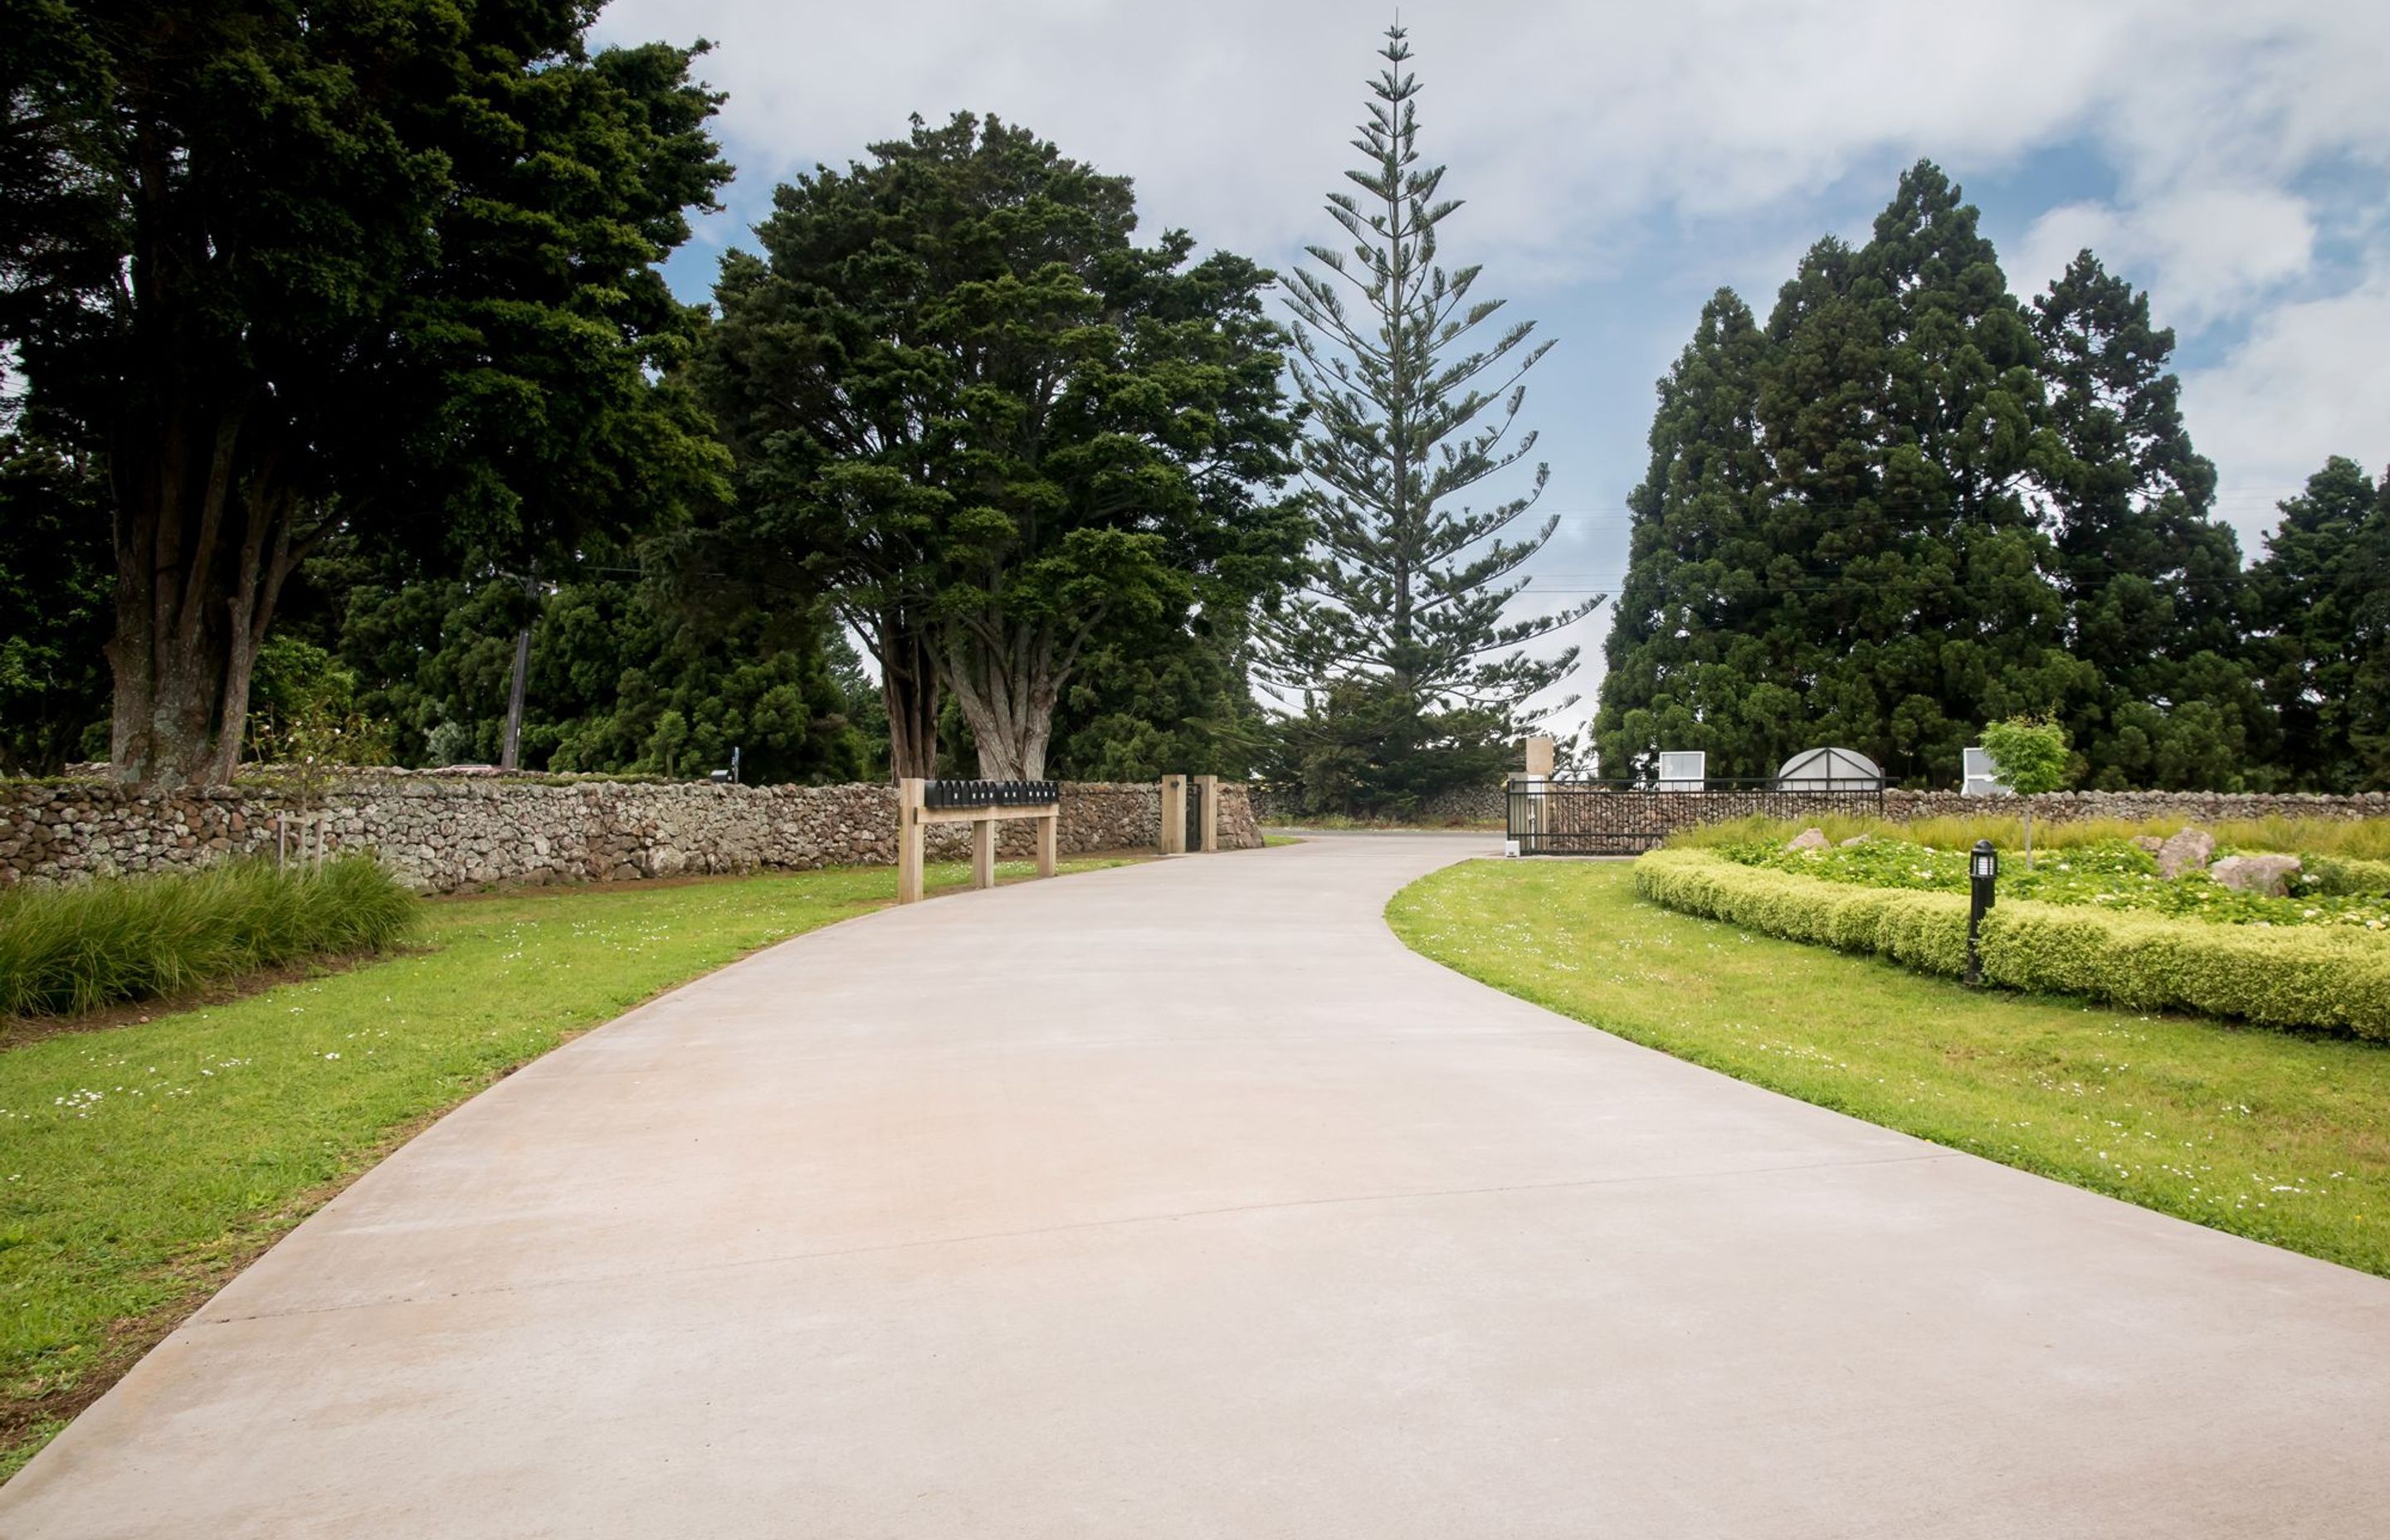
{"x": 1181, "y": 1199}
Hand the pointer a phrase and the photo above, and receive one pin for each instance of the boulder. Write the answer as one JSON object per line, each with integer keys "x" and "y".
{"x": 1808, "y": 838}
{"x": 2189, "y": 851}
{"x": 1854, "y": 839}
{"x": 2150, "y": 843}
{"x": 2269, "y": 875}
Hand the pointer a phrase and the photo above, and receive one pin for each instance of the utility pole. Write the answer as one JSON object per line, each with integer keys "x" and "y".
{"x": 509, "y": 757}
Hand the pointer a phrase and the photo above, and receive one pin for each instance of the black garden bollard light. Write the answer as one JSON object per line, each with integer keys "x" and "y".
{"x": 1982, "y": 869}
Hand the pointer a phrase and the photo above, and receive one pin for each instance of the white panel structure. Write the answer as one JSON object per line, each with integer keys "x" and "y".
{"x": 1830, "y": 770}
{"x": 1982, "y": 777}
{"x": 1687, "y": 771}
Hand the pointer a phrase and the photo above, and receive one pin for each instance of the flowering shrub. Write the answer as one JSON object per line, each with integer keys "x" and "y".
{"x": 2280, "y": 976}
{"x": 2115, "y": 875}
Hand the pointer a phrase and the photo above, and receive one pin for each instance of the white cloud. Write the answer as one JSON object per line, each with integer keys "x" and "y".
{"x": 2202, "y": 253}
{"x": 2309, "y": 383}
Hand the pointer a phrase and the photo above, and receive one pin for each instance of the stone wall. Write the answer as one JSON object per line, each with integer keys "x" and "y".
{"x": 443, "y": 833}
{"x": 1661, "y": 811}
{"x": 2190, "y": 807}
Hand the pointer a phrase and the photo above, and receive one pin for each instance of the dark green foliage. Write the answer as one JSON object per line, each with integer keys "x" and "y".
{"x": 1415, "y": 679}
{"x": 2321, "y": 596}
{"x": 2152, "y": 583}
{"x": 625, "y": 678}
{"x": 384, "y": 267}
{"x": 134, "y": 938}
{"x": 993, "y": 429}
{"x": 1143, "y": 708}
{"x": 1908, "y": 506}
{"x": 1362, "y": 749}
{"x": 55, "y": 583}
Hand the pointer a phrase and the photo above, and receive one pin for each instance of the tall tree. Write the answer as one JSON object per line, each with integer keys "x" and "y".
{"x": 992, "y": 428}
{"x": 1412, "y": 406}
{"x": 385, "y": 267}
{"x": 1691, "y": 654}
{"x": 1850, "y": 557}
{"x": 2152, "y": 582}
{"x": 2322, "y": 599}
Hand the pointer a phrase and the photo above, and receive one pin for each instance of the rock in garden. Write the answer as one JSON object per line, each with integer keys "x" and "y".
{"x": 1854, "y": 839}
{"x": 2189, "y": 851}
{"x": 2150, "y": 843}
{"x": 2269, "y": 875}
{"x": 1808, "y": 838}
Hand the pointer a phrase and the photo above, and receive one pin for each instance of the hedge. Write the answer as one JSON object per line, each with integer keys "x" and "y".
{"x": 2277, "y": 977}
{"x": 2345, "y": 877}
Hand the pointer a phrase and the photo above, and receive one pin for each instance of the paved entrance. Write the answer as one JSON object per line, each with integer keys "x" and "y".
{"x": 1182, "y": 1200}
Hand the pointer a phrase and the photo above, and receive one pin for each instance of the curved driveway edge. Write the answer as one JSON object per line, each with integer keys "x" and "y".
{"x": 1181, "y": 1199}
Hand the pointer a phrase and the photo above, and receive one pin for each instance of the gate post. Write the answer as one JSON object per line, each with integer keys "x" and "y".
{"x": 1173, "y": 814}
{"x": 1208, "y": 820}
{"x": 1049, "y": 842}
{"x": 911, "y": 833}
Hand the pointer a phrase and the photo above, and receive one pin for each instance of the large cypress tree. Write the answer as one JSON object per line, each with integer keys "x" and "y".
{"x": 1692, "y": 662}
{"x": 1833, "y": 544}
{"x": 2322, "y": 599}
{"x": 2152, "y": 582}
{"x": 1413, "y": 390}
{"x": 385, "y": 269}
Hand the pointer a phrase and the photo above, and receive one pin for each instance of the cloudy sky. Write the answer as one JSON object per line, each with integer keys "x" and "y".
{"x": 1621, "y": 161}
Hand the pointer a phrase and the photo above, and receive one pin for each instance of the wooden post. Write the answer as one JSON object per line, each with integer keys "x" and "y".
{"x": 1208, "y": 820}
{"x": 1049, "y": 842}
{"x": 911, "y": 834}
{"x": 1173, "y": 814}
{"x": 984, "y": 853}
{"x": 1539, "y": 757}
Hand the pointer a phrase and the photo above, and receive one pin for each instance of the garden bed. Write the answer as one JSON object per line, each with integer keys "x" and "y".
{"x": 2327, "y": 976}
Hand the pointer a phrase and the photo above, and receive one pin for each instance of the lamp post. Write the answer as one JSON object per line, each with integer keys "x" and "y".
{"x": 1983, "y": 871}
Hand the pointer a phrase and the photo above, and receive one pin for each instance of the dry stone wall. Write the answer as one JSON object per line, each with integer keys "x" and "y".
{"x": 2191, "y": 807}
{"x": 1660, "y": 811}
{"x": 443, "y": 833}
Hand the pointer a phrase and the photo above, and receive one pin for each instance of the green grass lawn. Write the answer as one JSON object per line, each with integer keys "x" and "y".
{"x": 2279, "y": 1137}
{"x": 143, "y": 1165}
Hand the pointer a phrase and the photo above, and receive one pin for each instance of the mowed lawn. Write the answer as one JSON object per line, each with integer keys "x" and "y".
{"x": 142, "y": 1165}
{"x": 2281, "y": 1138}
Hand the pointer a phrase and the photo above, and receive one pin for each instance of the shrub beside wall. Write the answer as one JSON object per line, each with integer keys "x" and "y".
{"x": 2277, "y": 977}
{"x": 94, "y": 943}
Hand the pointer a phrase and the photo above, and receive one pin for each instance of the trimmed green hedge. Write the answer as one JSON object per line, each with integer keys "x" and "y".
{"x": 2345, "y": 877}
{"x": 2310, "y": 977}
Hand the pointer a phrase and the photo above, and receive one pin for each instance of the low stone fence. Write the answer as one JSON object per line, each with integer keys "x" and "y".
{"x": 2190, "y": 807}
{"x": 441, "y": 833}
{"x": 1665, "y": 811}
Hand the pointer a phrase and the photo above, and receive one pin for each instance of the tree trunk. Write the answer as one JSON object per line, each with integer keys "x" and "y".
{"x": 909, "y": 687}
{"x": 1007, "y": 696}
{"x": 203, "y": 545}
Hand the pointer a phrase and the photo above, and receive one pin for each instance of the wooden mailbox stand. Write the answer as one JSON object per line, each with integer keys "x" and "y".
{"x": 914, "y": 816}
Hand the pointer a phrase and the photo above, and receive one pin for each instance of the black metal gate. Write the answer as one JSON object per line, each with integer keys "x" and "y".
{"x": 1628, "y": 817}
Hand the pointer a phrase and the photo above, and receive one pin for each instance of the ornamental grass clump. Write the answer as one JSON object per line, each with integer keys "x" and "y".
{"x": 73, "y": 949}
